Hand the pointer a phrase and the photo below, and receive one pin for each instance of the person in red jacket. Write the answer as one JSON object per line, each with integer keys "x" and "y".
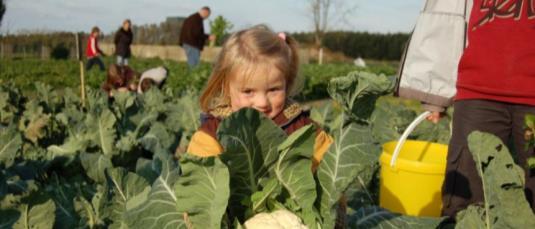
{"x": 92, "y": 50}
{"x": 495, "y": 90}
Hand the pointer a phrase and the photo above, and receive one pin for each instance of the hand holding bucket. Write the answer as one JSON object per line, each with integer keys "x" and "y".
{"x": 406, "y": 134}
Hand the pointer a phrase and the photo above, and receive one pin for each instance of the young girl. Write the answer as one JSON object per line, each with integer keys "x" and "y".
{"x": 256, "y": 68}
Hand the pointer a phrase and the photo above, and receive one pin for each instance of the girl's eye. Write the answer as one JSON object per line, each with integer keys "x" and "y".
{"x": 274, "y": 89}
{"x": 247, "y": 91}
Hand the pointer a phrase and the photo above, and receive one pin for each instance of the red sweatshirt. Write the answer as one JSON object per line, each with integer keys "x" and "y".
{"x": 499, "y": 62}
{"x": 92, "y": 47}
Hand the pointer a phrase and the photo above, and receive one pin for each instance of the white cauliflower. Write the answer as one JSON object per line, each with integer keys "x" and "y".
{"x": 280, "y": 219}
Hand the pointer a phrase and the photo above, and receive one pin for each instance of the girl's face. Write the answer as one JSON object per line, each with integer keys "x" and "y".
{"x": 264, "y": 91}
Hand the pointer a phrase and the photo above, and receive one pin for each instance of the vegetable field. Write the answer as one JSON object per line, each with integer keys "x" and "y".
{"x": 23, "y": 73}
{"x": 121, "y": 163}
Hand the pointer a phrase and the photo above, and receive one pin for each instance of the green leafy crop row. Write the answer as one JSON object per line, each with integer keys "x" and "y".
{"x": 120, "y": 163}
{"x": 23, "y": 73}
{"x": 59, "y": 74}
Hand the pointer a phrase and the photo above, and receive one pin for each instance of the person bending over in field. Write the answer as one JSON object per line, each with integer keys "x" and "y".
{"x": 152, "y": 77}
{"x": 120, "y": 79}
{"x": 93, "y": 51}
{"x": 256, "y": 68}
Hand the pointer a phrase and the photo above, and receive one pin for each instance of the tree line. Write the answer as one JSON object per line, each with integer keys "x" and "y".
{"x": 353, "y": 44}
{"x": 367, "y": 45}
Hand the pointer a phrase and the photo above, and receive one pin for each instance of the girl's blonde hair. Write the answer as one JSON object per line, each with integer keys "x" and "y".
{"x": 242, "y": 53}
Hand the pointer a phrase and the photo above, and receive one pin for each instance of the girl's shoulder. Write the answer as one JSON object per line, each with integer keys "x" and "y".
{"x": 292, "y": 115}
{"x": 209, "y": 124}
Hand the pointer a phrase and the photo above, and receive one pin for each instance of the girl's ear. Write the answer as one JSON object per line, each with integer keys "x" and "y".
{"x": 222, "y": 100}
{"x": 226, "y": 100}
{"x": 225, "y": 93}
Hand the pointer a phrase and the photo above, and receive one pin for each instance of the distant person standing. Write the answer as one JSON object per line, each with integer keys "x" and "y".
{"x": 93, "y": 51}
{"x": 192, "y": 36}
{"x": 123, "y": 39}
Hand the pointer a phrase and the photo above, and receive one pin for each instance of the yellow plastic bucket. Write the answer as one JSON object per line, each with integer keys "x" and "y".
{"x": 412, "y": 173}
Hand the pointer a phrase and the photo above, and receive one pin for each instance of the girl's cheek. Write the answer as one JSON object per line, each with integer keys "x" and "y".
{"x": 279, "y": 98}
{"x": 245, "y": 101}
{"x": 237, "y": 102}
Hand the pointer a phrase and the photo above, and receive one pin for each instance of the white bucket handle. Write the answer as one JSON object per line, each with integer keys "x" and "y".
{"x": 405, "y": 134}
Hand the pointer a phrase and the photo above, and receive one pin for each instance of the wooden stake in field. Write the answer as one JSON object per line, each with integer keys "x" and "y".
{"x": 320, "y": 59}
{"x": 82, "y": 77}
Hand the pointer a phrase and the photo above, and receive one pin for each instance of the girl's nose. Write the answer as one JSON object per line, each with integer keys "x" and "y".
{"x": 262, "y": 103}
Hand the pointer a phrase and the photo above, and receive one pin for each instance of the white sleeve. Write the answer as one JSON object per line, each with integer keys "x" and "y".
{"x": 139, "y": 84}
{"x": 93, "y": 46}
{"x": 155, "y": 74}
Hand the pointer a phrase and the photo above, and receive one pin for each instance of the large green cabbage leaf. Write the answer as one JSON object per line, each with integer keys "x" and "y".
{"x": 378, "y": 218}
{"x": 352, "y": 152}
{"x": 250, "y": 141}
{"x": 36, "y": 216}
{"x": 203, "y": 190}
{"x": 358, "y": 91}
{"x": 294, "y": 172}
{"x": 160, "y": 210}
{"x": 505, "y": 205}
{"x": 10, "y": 145}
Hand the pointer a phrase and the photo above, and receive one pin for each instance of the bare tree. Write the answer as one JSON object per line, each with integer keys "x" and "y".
{"x": 319, "y": 10}
{"x": 324, "y": 13}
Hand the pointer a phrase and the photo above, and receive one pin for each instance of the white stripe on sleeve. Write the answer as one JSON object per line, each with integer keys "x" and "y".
{"x": 93, "y": 46}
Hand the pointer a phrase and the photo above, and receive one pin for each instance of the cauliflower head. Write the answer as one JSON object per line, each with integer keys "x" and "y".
{"x": 280, "y": 219}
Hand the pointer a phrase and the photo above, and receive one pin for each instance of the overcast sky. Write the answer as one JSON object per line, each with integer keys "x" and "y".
{"x": 281, "y": 15}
